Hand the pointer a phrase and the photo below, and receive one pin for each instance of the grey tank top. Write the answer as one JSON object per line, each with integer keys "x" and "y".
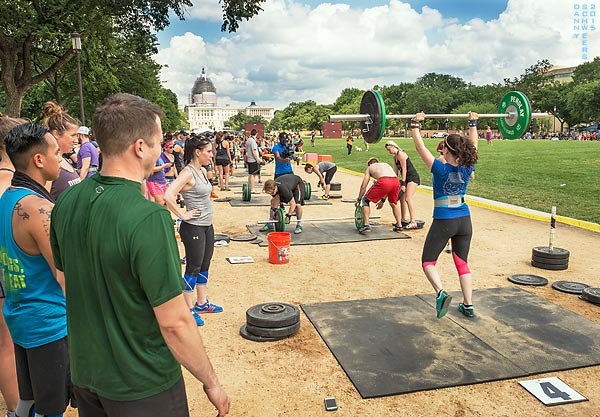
{"x": 198, "y": 197}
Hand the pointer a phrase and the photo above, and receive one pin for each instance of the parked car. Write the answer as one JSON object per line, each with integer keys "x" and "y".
{"x": 439, "y": 135}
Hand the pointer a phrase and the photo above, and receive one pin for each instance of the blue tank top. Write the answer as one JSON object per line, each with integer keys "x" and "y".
{"x": 35, "y": 307}
{"x": 449, "y": 188}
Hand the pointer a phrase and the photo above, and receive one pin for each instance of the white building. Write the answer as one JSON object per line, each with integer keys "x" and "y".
{"x": 204, "y": 112}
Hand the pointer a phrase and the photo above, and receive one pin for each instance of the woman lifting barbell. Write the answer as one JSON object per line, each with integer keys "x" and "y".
{"x": 451, "y": 215}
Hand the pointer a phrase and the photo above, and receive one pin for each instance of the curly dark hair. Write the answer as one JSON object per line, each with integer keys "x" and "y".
{"x": 461, "y": 147}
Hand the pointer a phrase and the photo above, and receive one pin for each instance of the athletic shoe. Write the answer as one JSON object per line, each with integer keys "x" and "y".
{"x": 207, "y": 307}
{"x": 324, "y": 197}
{"x": 365, "y": 229}
{"x": 298, "y": 230}
{"x": 396, "y": 228}
{"x": 411, "y": 226}
{"x": 442, "y": 302}
{"x": 213, "y": 195}
{"x": 467, "y": 311}
{"x": 267, "y": 228}
{"x": 196, "y": 316}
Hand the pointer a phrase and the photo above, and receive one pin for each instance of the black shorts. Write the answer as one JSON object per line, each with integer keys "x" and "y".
{"x": 223, "y": 162}
{"x": 44, "y": 376}
{"x": 253, "y": 168}
{"x": 329, "y": 175}
{"x": 172, "y": 403}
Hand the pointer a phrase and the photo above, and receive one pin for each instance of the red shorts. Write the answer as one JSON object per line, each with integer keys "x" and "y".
{"x": 155, "y": 188}
{"x": 385, "y": 186}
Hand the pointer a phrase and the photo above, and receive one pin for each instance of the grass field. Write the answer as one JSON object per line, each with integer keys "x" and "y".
{"x": 535, "y": 174}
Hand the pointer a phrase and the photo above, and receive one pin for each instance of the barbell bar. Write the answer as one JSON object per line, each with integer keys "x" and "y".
{"x": 324, "y": 219}
{"x": 279, "y": 219}
{"x": 514, "y": 115}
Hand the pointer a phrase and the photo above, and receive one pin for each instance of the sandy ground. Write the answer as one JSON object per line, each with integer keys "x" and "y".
{"x": 291, "y": 377}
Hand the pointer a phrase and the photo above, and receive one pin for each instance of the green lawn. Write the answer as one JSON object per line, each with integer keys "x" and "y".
{"x": 536, "y": 174}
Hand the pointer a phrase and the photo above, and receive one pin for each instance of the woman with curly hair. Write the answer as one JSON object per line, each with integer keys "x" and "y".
{"x": 451, "y": 215}
{"x": 64, "y": 128}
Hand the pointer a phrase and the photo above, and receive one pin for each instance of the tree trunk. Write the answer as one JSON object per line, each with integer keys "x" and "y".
{"x": 14, "y": 101}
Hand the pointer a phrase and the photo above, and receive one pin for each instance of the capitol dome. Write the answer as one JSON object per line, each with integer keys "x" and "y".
{"x": 204, "y": 91}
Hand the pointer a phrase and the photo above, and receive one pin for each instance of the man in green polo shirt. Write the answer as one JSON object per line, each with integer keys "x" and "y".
{"x": 129, "y": 326}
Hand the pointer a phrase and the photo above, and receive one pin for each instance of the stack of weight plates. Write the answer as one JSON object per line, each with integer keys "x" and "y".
{"x": 591, "y": 295}
{"x": 270, "y": 321}
{"x": 555, "y": 259}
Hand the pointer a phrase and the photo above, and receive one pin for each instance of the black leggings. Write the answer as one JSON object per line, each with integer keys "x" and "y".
{"x": 329, "y": 175}
{"x": 199, "y": 243}
{"x": 459, "y": 230}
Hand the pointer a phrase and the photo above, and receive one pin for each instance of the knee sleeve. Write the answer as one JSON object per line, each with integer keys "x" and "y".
{"x": 25, "y": 408}
{"x": 189, "y": 282}
{"x": 461, "y": 266}
{"x": 202, "y": 278}
{"x": 426, "y": 264}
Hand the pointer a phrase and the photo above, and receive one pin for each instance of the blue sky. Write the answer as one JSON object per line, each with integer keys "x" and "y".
{"x": 297, "y": 50}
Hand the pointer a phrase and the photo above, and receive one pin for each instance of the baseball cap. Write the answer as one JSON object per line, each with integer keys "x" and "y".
{"x": 83, "y": 130}
{"x": 183, "y": 132}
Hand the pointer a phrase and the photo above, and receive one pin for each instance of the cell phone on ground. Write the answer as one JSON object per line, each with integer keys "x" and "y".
{"x": 331, "y": 404}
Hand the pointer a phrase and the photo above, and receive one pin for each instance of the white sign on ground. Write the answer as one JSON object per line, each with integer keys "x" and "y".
{"x": 240, "y": 259}
{"x": 552, "y": 391}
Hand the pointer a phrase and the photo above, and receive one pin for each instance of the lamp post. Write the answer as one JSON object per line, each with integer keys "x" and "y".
{"x": 76, "y": 40}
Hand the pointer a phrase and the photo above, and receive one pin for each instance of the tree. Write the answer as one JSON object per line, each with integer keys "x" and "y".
{"x": 238, "y": 121}
{"x": 535, "y": 77}
{"x": 35, "y": 35}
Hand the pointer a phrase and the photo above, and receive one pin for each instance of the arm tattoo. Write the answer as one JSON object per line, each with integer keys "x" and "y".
{"x": 46, "y": 220}
{"x": 21, "y": 212}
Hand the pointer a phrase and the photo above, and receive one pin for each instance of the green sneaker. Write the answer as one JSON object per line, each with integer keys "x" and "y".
{"x": 442, "y": 302}
{"x": 467, "y": 311}
{"x": 267, "y": 228}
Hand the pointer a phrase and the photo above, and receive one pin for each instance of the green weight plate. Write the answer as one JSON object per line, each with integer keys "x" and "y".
{"x": 359, "y": 218}
{"x": 514, "y": 128}
{"x": 279, "y": 217}
{"x": 246, "y": 194}
{"x": 372, "y": 104}
{"x": 308, "y": 189}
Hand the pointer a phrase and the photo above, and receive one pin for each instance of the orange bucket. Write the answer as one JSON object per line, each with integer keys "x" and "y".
{"x": 279, "y": 247}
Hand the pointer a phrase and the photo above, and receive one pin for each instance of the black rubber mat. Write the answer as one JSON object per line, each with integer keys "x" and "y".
{"x": 265, "y": 200}
{"x": 319, "y": 233}
{"x": 396, "y": 345}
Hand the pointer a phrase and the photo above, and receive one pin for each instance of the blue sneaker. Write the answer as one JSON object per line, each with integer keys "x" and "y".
{"x": 196, "y": 316}
{"x": 298, "y": 230}
{"x": 207, "y": 307}
{"x": 467, "y": 311}
{"x": 442, "y": 302}
{"x": 365, "y": 229}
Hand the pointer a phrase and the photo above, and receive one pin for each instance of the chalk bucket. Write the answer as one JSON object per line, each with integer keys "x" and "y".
{"x": 279, "y": 247}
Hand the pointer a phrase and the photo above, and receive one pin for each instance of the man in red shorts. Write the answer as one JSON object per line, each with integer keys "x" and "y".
{"x": 386, "y": 185}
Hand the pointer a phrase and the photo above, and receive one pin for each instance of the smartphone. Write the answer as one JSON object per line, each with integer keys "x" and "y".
{"x": 331, "y": 404}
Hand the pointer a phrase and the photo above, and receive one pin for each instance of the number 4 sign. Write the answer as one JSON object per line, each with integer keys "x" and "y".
{"x": 552, "y": 391}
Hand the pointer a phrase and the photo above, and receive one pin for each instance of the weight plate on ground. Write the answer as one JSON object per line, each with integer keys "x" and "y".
{"x": 570, "y": 287}
{"x": 220, "y": 236}
{"x": 549, "y": 267}
{"x": 372, "y": 104}
{"x": 591, "y": 294}
{"x": 256, "y": 241}
{"x": 279, "y": 218}
{"x": 550, "y": 261}
{"x": 246, "y": 194}
{"x": 515, "y": 127}
{"x": 581, "y": 297}
{"x": 272, "y": 315}
{"x": 249, "y": 336}
{"x": 348, "y": 200}
{"x": 546, "y": 252}
{"x": 335, "y": 196}
{"x": 273, "y": 331}
{"x": 308, "y": 190}
{"x": 527, "y": 279}
{"x": 335, "y": 186}
{"x": 222, "y": 199}
{"x": 243, "y": 238}
{"x": 359, "y": 217}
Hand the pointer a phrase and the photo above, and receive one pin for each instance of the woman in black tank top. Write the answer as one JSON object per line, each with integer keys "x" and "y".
{"x": 409, "y": 180}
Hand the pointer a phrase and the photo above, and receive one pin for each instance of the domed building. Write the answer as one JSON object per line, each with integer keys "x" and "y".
{"x": 205, "y": 114}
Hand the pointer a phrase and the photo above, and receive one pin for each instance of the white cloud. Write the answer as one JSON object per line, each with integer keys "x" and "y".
{"x": 292, "y": 52}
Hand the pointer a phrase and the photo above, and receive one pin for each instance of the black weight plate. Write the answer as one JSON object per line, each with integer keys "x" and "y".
{"x": 545, "y": 252}
{"x": 222, "y": 199}
{"x": 549, "y": 267}
{"x": 527, "y": 279}
{"x": 243, "y": 238}
{"x": 335, "y": 196}
{"x": 348, "y": 200}
{"x": 581, "y": 297}
{"x": 220, "y": 236}
{"x": 372, "y": 104}
{"x": 591, "y": 294}
{"x": 570, "y": 287}
{"x": 550, "y": 261}
{"x": 256, "y": 241}
{"x": 272, "y": 315}
{"x": 273, "y": 331}
{"x": 246, "y": 335}
{"x": 335, "y": 186}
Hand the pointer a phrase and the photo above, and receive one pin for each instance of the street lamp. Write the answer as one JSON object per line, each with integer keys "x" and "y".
{"x": 76, "y": 40}
{"x": 554, "y": 116}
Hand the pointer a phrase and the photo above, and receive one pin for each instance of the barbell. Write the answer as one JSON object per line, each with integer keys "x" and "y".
{"x": 514, "y": 115}
{"x": 279, "y": 219}
{"x": 247, "y": 195}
